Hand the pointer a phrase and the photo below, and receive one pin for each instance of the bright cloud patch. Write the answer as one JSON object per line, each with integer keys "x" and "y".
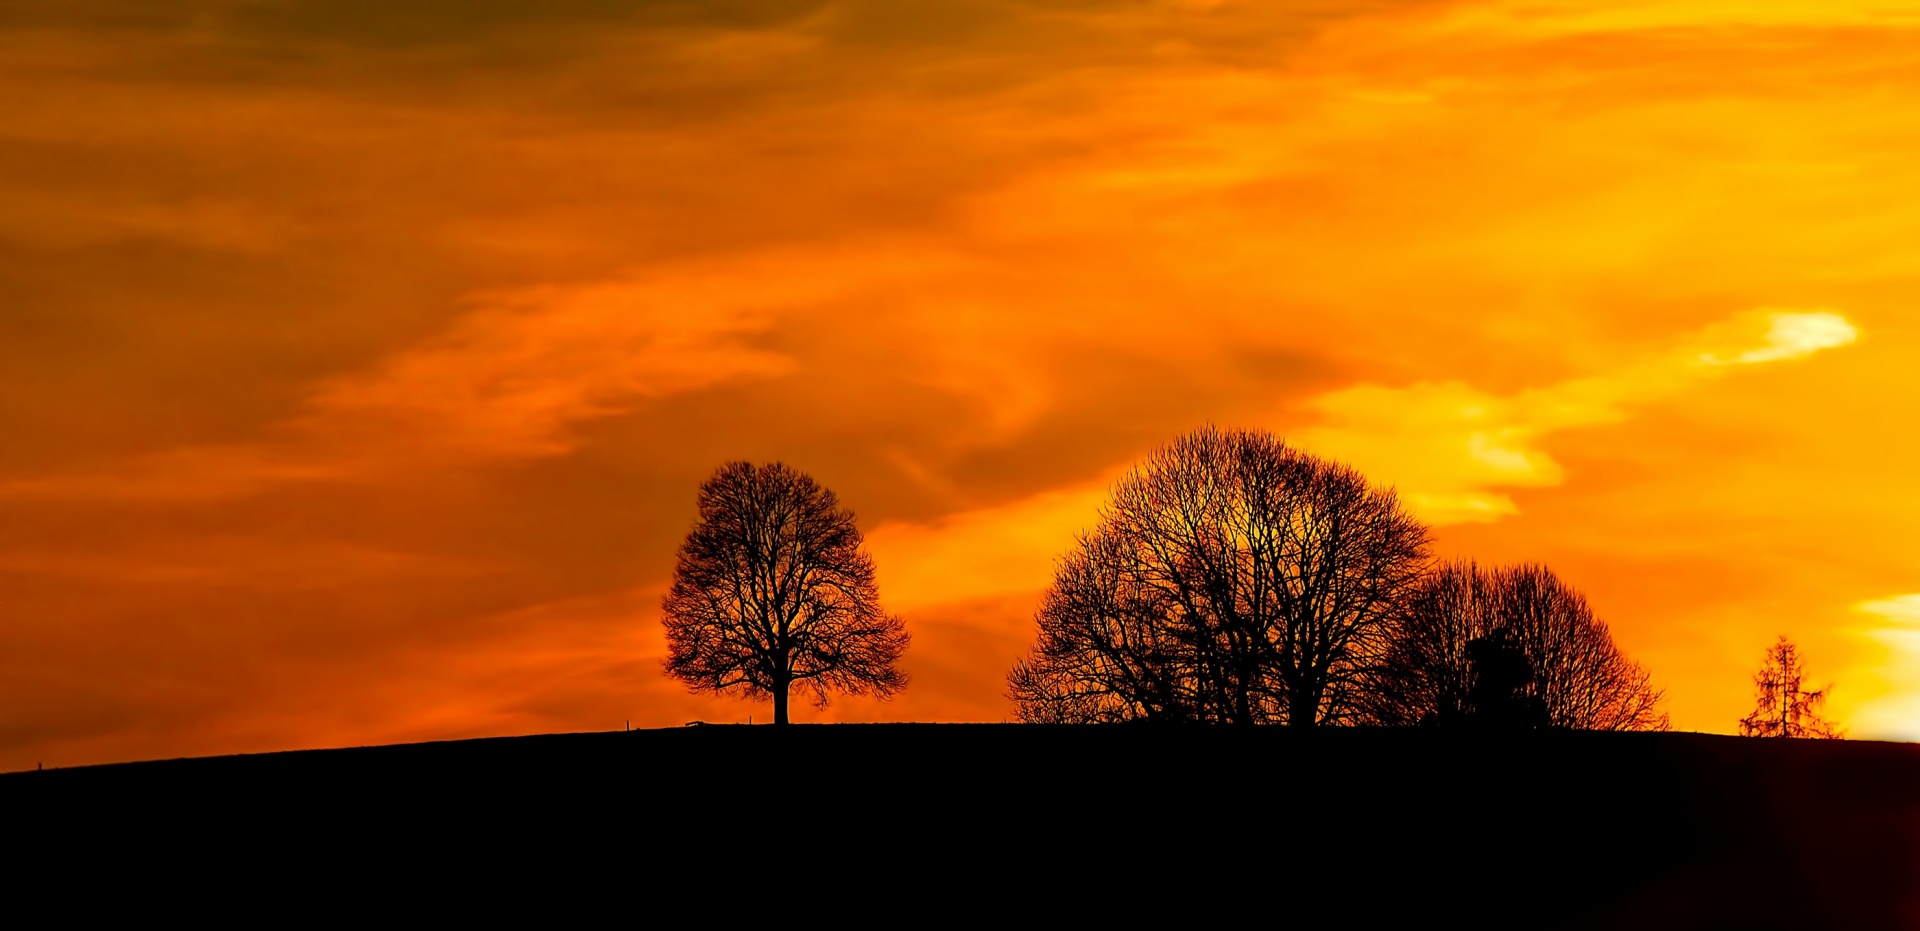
{"x": 1896, "y": 713}
{"x": 1443, "y": 445}
{"x": 1792, "y": 335}
{"x": 1449, "y": 447}
{"x": 1003, "y": 550}
{"x": 1903, "y": 608}
{"x": 1571, "y": 17}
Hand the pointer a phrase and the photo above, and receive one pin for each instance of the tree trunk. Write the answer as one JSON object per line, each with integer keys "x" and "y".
{"x": 780, "y": 701}
{"x": 1303, "y": 707}
{"x": 1242, "y": 705}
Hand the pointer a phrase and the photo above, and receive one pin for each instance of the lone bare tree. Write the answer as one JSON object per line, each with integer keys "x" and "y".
{"x": 1782, "y": 708}
{"x": 1230, "y": 579}
{"x": 1579, "y": 676}
{"x": 772, "y": 590}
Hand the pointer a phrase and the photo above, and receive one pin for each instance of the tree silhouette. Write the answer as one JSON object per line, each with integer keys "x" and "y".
{"x": 1577, "y": 675}
{"x": 1497, "y": 694}
{"x": 1230, "y": 579}
{"x": 1782, "y": 708}
{"x": 771, "y": 590}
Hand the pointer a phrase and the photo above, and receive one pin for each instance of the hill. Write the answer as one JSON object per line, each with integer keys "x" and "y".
{"x": 1538, "y": 830}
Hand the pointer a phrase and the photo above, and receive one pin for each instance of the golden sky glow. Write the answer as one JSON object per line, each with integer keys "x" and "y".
{"x": 362, "y": 359}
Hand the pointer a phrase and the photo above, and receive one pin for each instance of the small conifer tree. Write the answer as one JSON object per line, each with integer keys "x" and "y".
{"x": 1782, "y": 707}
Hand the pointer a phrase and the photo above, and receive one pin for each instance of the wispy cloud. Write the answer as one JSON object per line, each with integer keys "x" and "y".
{"x": 1450, "y": 447}
{"x": 1893, "y": 711}
{"x": 1792, "y": 335}
{"x": 1572, "y": 17}
{"x": 512, "y": 376}
{"x": 508, "y": 380}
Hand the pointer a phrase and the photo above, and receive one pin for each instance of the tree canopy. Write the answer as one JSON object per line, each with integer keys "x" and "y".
{"x": 1230, "y": 578}
{"x": 1578, "y": 677}
{"x": 772, "y": 590}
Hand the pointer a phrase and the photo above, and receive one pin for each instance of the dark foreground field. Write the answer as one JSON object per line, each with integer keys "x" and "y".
{"x": 1355, "y": 828}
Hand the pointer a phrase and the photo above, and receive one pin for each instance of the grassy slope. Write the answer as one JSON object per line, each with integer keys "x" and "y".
{"x": 1640, "y": 830}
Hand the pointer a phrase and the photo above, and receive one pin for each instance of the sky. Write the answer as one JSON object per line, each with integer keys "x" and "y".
{"x": 362, "y": 360}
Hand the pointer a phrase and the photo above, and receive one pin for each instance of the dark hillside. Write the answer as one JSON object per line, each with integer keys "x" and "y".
{"x": 1541, "y": 830}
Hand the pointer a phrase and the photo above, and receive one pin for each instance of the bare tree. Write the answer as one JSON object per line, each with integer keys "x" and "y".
{"x": 1230, "y": 579}
{"x": 1782, "y": 708}
{"x": 772, "y": 590}
{"x": 1579, "y": 676}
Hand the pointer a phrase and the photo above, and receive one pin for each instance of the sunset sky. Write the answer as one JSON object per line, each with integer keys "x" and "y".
{"x": 362, "y": 359}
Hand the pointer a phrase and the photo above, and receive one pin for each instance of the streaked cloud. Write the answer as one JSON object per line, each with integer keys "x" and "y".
{"x": 1893, "y": 710}
{"x": 1792, "y": 334}
{"x": 512, "y": 376}
{"x": 508, "y": 380}
{"x": 1450, "y": 448}
{"x": 1561, "y": 17}
{"x": 1903, "y": 609}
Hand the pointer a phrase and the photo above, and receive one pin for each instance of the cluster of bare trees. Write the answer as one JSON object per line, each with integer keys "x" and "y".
{"x": 1230, "y": 579}
{"x": 1234, "y": 579}
{"x": 1578, "y": 677}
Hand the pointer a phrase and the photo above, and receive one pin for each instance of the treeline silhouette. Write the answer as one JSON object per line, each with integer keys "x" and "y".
{"x": 1228, "y": 579}
{"x": 1234, "y": 579}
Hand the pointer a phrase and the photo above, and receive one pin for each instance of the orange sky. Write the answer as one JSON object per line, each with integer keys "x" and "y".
{"x": 362, "y": 359}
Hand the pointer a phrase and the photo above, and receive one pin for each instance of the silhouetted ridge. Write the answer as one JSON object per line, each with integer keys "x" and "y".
{"x": 1536, "y": 829}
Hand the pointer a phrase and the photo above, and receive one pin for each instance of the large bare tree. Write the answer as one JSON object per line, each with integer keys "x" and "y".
{"x": 1579, "y": 675}
{"x": 772, "y": 591}
{"x": 1230, "y": 578}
